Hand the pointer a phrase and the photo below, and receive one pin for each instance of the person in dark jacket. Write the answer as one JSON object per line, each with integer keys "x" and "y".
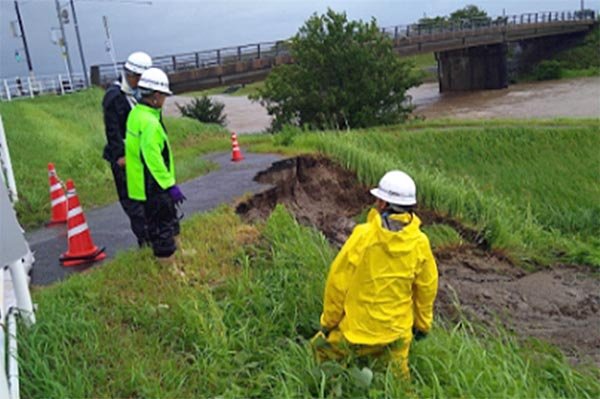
{"x": 118, "y": 101}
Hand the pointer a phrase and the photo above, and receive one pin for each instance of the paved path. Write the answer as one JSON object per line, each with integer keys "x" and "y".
{"x": 110, "y": 227}
{"x": 243, "y": 114}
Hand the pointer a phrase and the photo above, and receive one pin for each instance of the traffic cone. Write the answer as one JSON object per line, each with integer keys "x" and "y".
{"x": 81, "y": 248}
{"x": 236, "y": 155}
{"x": 58, "y": 200}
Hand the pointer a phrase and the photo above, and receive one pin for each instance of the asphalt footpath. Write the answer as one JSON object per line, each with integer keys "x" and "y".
{"x": 109, "y": 226}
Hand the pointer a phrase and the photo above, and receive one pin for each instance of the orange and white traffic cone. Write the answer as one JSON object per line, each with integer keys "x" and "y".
{"x": 236, "y": 154}
{"x": 81, "y": 248}
{"x": 58, "y": 200}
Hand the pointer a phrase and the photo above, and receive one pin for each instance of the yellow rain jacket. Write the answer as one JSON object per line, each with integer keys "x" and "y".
{"x": 382, "y": 283}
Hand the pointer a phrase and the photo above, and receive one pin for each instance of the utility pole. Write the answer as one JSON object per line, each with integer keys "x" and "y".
{"x": 64, "y": 43}
{"x": 85, "y": 72}
{"x": 24, "y": 38}
{"x": 110, "y": 46}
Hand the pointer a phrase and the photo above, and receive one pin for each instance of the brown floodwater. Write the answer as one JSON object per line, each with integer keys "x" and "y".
{"x": 579, "y": 98}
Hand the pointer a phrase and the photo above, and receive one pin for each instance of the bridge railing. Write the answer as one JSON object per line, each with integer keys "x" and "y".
{"x": 227, "y": 55}
{"x": 406, "y": 31}
{"x": 204, "y": 59}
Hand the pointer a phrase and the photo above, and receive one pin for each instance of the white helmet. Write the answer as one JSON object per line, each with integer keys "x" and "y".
{"x": 396, "y": 188}
{"x": 138, "y": 62}
{"x": 156, "y": 80}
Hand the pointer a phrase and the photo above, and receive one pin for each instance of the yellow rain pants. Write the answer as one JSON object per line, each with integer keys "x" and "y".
{"x": 336, "y": 347}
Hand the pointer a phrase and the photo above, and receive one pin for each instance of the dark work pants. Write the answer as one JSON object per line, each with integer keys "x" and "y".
{"x": 134, "y": 209}
{"x": 162, "y": 223}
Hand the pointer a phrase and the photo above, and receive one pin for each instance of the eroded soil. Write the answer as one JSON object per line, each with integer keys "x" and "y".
{"x": 560, "y": 305}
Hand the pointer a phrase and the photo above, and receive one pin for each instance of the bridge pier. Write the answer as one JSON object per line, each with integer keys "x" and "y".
{"x": 473, "y": 68}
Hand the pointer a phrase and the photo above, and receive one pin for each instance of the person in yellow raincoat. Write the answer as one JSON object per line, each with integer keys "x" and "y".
{"x": 383, "y": 283}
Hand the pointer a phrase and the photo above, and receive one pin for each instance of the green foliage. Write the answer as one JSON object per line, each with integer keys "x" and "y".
{"x": 442, "y": 236}
{"x": 547, "y": 70}
{"x": 345, "y": 75}
{"x": 468, "y": 16}
{"x": 69, "y": 131}
{"x": 237, "y": 325}
{"x": 469, "y": 12}
{"x": 585, "y": 56}
{"x": 204, "y": 110}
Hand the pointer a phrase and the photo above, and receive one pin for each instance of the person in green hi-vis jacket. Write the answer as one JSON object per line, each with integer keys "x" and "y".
{"x": 150, "y": 169}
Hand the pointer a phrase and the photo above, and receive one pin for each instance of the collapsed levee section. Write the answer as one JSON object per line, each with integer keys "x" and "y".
{"x": 560, "y": 305}
{"x": 316, "y": 190}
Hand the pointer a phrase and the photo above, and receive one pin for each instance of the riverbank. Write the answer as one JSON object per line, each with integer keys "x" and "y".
{"x": 566, "y": 98}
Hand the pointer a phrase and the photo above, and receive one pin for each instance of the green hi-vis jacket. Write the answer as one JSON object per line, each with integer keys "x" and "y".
{"x": 148, "y": 155}
{"x": 382, "y": 283}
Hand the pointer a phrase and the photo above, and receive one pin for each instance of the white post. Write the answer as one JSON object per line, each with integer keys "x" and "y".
{"x": 8, "y": 97}
{"x": 13, "y": 356}
{"x": 4, "y": 393}
{"x": 62, "y": 89}
{"x": 21, "y": 287}
{"x": 30, "y": 88}
{"x": 6, "y": 165}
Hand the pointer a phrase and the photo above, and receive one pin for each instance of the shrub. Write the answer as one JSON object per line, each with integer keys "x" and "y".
{"x": 547, "y": 69}
{"x": 345, "y": 74}
{"x": 204, "y": 109}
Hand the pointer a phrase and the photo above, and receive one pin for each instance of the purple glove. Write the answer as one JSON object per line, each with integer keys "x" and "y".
{"x": 176, "y": 194}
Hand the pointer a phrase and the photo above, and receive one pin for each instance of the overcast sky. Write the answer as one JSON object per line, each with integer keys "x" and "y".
{"x": 176, "y": 26}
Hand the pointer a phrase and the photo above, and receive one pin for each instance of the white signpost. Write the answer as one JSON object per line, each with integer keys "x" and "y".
{"x": 6, "y": 166}
{"x": 16, "y": 261}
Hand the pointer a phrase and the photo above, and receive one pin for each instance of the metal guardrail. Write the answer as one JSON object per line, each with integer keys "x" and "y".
{"x": 228, "y": 55}
{"x": 202, "y": 59}
{"x": 407, "y": 31}
{"x": 24, "y": 87}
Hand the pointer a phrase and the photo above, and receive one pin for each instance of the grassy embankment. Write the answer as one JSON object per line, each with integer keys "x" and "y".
{"x": 583, "y": 60}
{"x": 69, "y": 131}
{"x": 529, "y": 187}
{"x": 233, "y": 319}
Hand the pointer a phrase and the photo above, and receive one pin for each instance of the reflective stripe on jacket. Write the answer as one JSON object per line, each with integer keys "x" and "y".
{"x": 382, "y": 283}
{"x": 149, "y": 162}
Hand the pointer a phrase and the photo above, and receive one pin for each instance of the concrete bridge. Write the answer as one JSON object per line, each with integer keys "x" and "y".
{"x": 471, "y": 54}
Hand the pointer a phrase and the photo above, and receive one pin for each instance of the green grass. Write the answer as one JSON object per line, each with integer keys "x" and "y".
{"x": 443, "y": 236}
{"x": 236, "y": 324}
{"x": 425, "y": 62}
{"x": 69, "y": 131}
{"x": 530, "y": 188}
{"x": 246, "y": 90}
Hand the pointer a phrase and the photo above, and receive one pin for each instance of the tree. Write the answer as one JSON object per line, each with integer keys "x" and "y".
{"x": 469, "y": 13}
{"x": 345, "y": 75}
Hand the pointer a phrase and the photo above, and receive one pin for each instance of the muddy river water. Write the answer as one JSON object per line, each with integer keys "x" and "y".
{"x": 560, "y": 98}
{"x": 573, "y": 98}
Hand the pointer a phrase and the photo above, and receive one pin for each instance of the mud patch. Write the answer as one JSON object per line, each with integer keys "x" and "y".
{"x": 560, "y": 305}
